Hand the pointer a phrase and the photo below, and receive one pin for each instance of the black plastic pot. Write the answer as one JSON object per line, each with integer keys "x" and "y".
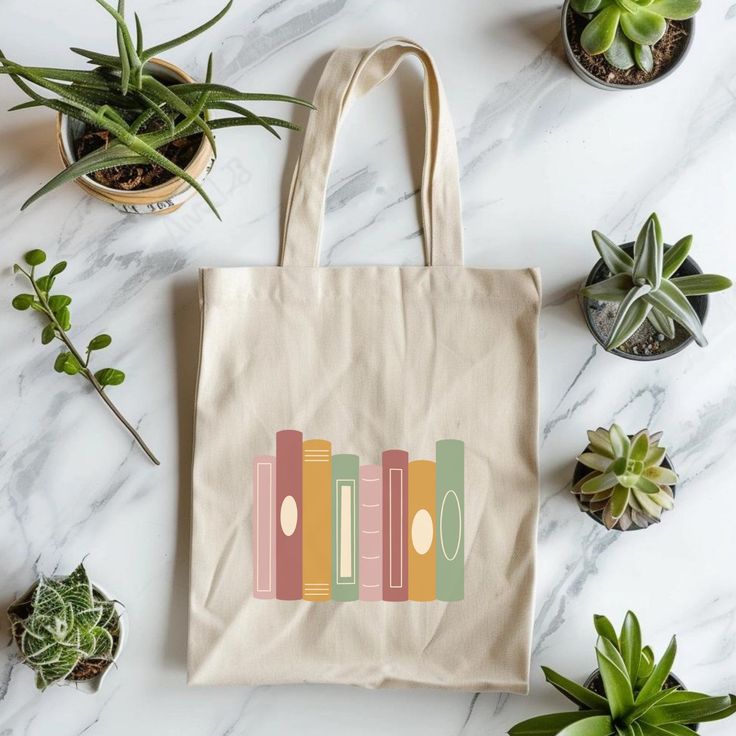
{"x": 600, "y": 272}
{"x": 582, "y": 470}
{"x": 595, "y": 81}
{"x": 595, "y": 683}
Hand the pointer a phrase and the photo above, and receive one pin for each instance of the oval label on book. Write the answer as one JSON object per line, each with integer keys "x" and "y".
{"x": 422, "y": 532}
{"x": 450, "y": 526}
{"x": 289, "y": 515}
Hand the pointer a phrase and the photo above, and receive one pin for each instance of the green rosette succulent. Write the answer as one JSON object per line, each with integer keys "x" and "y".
{"x": 627, "y": 484}
{"x": 639, "y": 696}
{"x": 625, "y": 30}
{"x": 646, "y": 287}
{"x": 68, "y": 624}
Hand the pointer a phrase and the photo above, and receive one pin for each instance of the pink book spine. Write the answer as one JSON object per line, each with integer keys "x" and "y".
{"x": 289, "y": 522}
{"x": 370, "y": 536}
{"x": 264, "y": 527}
{"x": 395, "y": 468}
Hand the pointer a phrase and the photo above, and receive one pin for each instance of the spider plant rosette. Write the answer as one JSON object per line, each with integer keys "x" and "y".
{"x": 153, "y": 121}
{"x": 647, "y": 300}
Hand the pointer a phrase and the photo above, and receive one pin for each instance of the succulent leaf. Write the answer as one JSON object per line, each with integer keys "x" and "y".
{"x": 644, "y": 57}
{"x": 613, "y": 289}
{"x": 701, "y": 283}
{"x": 643, "y": 26}
{"x": 672, "y": 302}
{"x": 676, "y": 9}
{"x": 621, "y": 52}
{"x": 599, "y": 34}
{"x": 616, "y": 258}
{"x": 675, "y": 256}
{"x": 662, "y": 323}
{"x": 648, "y": 259}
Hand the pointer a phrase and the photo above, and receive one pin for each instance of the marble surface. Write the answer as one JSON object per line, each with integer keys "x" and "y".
{"x": 544, "y": 158}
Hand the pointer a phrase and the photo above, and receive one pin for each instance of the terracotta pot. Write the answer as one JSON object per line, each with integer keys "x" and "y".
{"x": 161, "y": 199}
{"x": 93, "y": 684}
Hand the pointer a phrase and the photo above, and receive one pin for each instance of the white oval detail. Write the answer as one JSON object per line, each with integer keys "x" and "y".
{"x": 422, "y": 531}
{"x": 288, "y": 515}
{"x": 453, "y": 511}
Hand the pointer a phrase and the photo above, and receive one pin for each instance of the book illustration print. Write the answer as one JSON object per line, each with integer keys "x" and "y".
{"x": 326, "y": 527}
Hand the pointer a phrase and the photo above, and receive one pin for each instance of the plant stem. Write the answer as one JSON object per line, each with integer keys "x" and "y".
{"x": 88, "y": 374}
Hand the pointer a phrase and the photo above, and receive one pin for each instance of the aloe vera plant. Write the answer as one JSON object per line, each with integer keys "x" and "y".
{"x": 627, "y": 486}
{"x": 625, "y": 30}
{"x": 140, "y": 113}
{"x": 640, "y": 696}
{"x": 646, "y": 286}
{"x": 67, "y": 627}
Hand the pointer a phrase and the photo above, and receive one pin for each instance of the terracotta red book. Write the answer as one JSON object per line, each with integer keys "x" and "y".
{"x": 395, "y": 465}
{"x": 289, "y": 523}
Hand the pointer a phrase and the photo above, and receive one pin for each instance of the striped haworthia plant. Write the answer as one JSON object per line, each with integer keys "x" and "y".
{"x": 68, "y": 624}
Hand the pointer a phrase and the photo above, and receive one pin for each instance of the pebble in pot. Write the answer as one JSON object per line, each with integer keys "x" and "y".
{"x": 627, "y": 44}
{"x": 645, "y": 300}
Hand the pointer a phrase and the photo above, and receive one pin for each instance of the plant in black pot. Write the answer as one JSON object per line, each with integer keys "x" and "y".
{"x": 624, "y": 482}
{"x": 620, "y": 44}
{"x": 647, "y": 300}
{"x": 630, "y": 694}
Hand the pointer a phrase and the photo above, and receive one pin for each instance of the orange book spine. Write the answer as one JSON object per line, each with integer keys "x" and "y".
{"x": 317, "y": 521}
{"x": 422, "y": 521}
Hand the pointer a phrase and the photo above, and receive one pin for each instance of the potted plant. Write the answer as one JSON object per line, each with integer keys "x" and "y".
{"x": 647, "y": 300}
{"x": 623, "y": 44}
{"x": 135, "y": 130}
{"x": 629, "y": 694}
{"x": 68, "y": 630}
{"x": 624, "y": 482}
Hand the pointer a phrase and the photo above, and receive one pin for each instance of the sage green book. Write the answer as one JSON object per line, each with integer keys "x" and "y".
{"x": 450, "y": 456}
{"x": 345, "y": 507}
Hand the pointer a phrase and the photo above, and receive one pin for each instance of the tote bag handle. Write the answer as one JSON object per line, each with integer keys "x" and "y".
{"x": 348, "y": 75}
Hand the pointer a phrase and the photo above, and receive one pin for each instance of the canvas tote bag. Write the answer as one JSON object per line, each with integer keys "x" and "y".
{"x": 365, "y": 467}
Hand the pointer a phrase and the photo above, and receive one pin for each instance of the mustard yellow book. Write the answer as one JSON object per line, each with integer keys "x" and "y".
{"x": 317, "y": 521}
{"x": 422, "y": 515}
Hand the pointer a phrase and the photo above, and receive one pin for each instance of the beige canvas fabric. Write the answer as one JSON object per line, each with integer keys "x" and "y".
{"x": 371, "y": 359}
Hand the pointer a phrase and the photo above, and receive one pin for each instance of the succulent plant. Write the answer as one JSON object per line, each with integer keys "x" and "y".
{"x": 139, "y": 112}
{"x": 68, "y": 624}
{"x": 625, "y": 30}
{"x": 627, "y": 484}
{"x": 647, "y": 289}
{"x": 638, "y": 699}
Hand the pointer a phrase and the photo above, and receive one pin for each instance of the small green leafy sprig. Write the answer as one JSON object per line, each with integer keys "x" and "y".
{"x": 55, "y": 308}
